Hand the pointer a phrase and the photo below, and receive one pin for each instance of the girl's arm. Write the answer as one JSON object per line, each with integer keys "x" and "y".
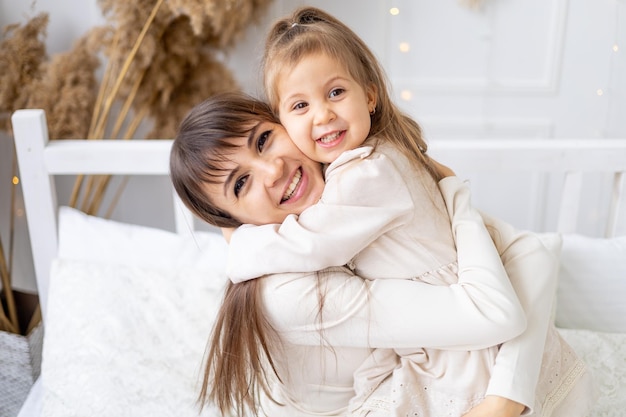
{"x": 481, "y": 310}
{"x": 365, "y": 196}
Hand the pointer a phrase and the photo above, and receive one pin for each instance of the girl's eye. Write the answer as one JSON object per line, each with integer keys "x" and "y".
{"x": 299, "y": 106}
{"x": 262, "y": 140}
{"x": 337, "y": 92}
{"x": 239, "y": 184}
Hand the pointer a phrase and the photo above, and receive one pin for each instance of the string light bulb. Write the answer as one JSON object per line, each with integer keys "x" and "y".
{"x": 15, "y": 180}
{"x": 394, "y": 11}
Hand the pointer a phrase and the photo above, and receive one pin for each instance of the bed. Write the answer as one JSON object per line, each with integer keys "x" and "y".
{"x": 126, "y": 317}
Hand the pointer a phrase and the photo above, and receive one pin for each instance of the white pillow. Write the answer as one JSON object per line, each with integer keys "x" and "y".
{"x": 129, "y": 313}
{"x": 125, "y": 341}
{"x": 592, "y": 284}
{"x": 90, "y": 238}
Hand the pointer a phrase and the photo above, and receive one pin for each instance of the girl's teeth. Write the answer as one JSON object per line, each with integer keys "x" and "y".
{"x": 329, "y": 138}
{"x": 293, "y": 185}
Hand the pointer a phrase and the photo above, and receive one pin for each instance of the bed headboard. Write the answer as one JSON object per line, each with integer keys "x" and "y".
{"x": 40, "y": 159}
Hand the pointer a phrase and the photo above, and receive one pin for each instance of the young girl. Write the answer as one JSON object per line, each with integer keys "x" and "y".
{"x": 381, "y": 214}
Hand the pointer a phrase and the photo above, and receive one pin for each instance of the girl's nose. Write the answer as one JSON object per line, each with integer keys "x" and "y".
{"x": 324, "y": 115}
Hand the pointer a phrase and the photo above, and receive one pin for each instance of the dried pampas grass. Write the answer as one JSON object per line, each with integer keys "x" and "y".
{"x": 64, "y": 86}
{"x": 22, "y": 52}
{"x": 148, "y": 65}
{"x": 67, "y": 91}
{"x": 183, "y": 74}
{"x": 219, "y": 22}
{"x": 207, "y": 75}
{"x": 158, "y": 71}
{"x": 154, "y": 50}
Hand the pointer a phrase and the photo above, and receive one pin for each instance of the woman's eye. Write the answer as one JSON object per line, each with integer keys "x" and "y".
{"x": 239, "y": 184}
{"x": 263, "y": 138}
{"x": 337, "y": 92}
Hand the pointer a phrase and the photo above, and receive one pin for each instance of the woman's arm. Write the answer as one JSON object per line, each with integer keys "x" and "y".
{"x": 532, "y": 262}
{"x": 481, "y": 310}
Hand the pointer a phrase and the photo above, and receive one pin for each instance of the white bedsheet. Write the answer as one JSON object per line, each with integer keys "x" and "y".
{"x": 605, "y": 355}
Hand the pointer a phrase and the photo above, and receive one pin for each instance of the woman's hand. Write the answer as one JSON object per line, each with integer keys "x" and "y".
{"x": 443, "y": 170}
{"x": 494, "y": 406}
{"x": 227, "y": 232}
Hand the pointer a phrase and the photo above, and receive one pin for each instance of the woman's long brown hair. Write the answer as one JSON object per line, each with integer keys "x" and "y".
{"x": 238, "y": 360}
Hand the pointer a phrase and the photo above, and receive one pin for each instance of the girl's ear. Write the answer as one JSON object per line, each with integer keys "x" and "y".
{"x": 372, "y": 98}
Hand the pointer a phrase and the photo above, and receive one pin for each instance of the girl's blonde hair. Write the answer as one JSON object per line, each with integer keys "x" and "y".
{"x": 309, "y": 31}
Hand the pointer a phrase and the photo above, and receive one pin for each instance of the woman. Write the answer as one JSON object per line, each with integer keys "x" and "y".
{"x": 297, "y": 338}
{"x": 382, "y": 213}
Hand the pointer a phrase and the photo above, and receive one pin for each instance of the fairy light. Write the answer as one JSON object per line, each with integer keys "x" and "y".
{"x": 615, "y": 48}
{"x": 15, "y": 180}
{"x": 394, "y": 11}
{"x": 404, "y": 47}
{"x": 599, "y": 92}
{"x": 406, "y": 95}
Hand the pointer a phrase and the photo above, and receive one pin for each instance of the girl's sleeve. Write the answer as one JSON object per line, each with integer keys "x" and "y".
{"x": 363, "y": 199}
{"x": 481, "y": 310}
{"x": 532, "y": 262}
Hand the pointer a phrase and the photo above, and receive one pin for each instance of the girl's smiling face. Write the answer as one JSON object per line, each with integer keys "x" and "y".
{"x": 267, "y": 178}
{"x": 324, "y": 109}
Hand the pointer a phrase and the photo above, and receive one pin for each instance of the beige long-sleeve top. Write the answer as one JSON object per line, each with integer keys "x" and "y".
{"x": 387, "y": 219}
{"x": 321, "y": 352}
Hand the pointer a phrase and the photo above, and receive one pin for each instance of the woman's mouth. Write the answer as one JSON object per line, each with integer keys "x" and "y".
{"x": 289, "y": 192}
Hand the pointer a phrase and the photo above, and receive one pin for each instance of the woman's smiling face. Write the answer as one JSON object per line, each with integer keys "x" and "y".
{"x": 267, "y": 178}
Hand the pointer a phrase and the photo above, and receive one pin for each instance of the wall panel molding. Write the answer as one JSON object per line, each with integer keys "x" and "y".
{"x": 454, "y": 127}
{"x": 547, "y": 84}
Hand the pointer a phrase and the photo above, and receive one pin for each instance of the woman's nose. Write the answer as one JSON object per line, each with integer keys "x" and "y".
{"x": 273, "y": 169}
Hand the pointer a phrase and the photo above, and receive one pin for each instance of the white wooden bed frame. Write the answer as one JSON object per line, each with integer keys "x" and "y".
{"x": 40, "y": 159}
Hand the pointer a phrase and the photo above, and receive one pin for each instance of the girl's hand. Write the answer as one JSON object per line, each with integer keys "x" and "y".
{"x": 443, "y": 170}
{"x": 227, "y": 232}
{"x": 494, "y": 406}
